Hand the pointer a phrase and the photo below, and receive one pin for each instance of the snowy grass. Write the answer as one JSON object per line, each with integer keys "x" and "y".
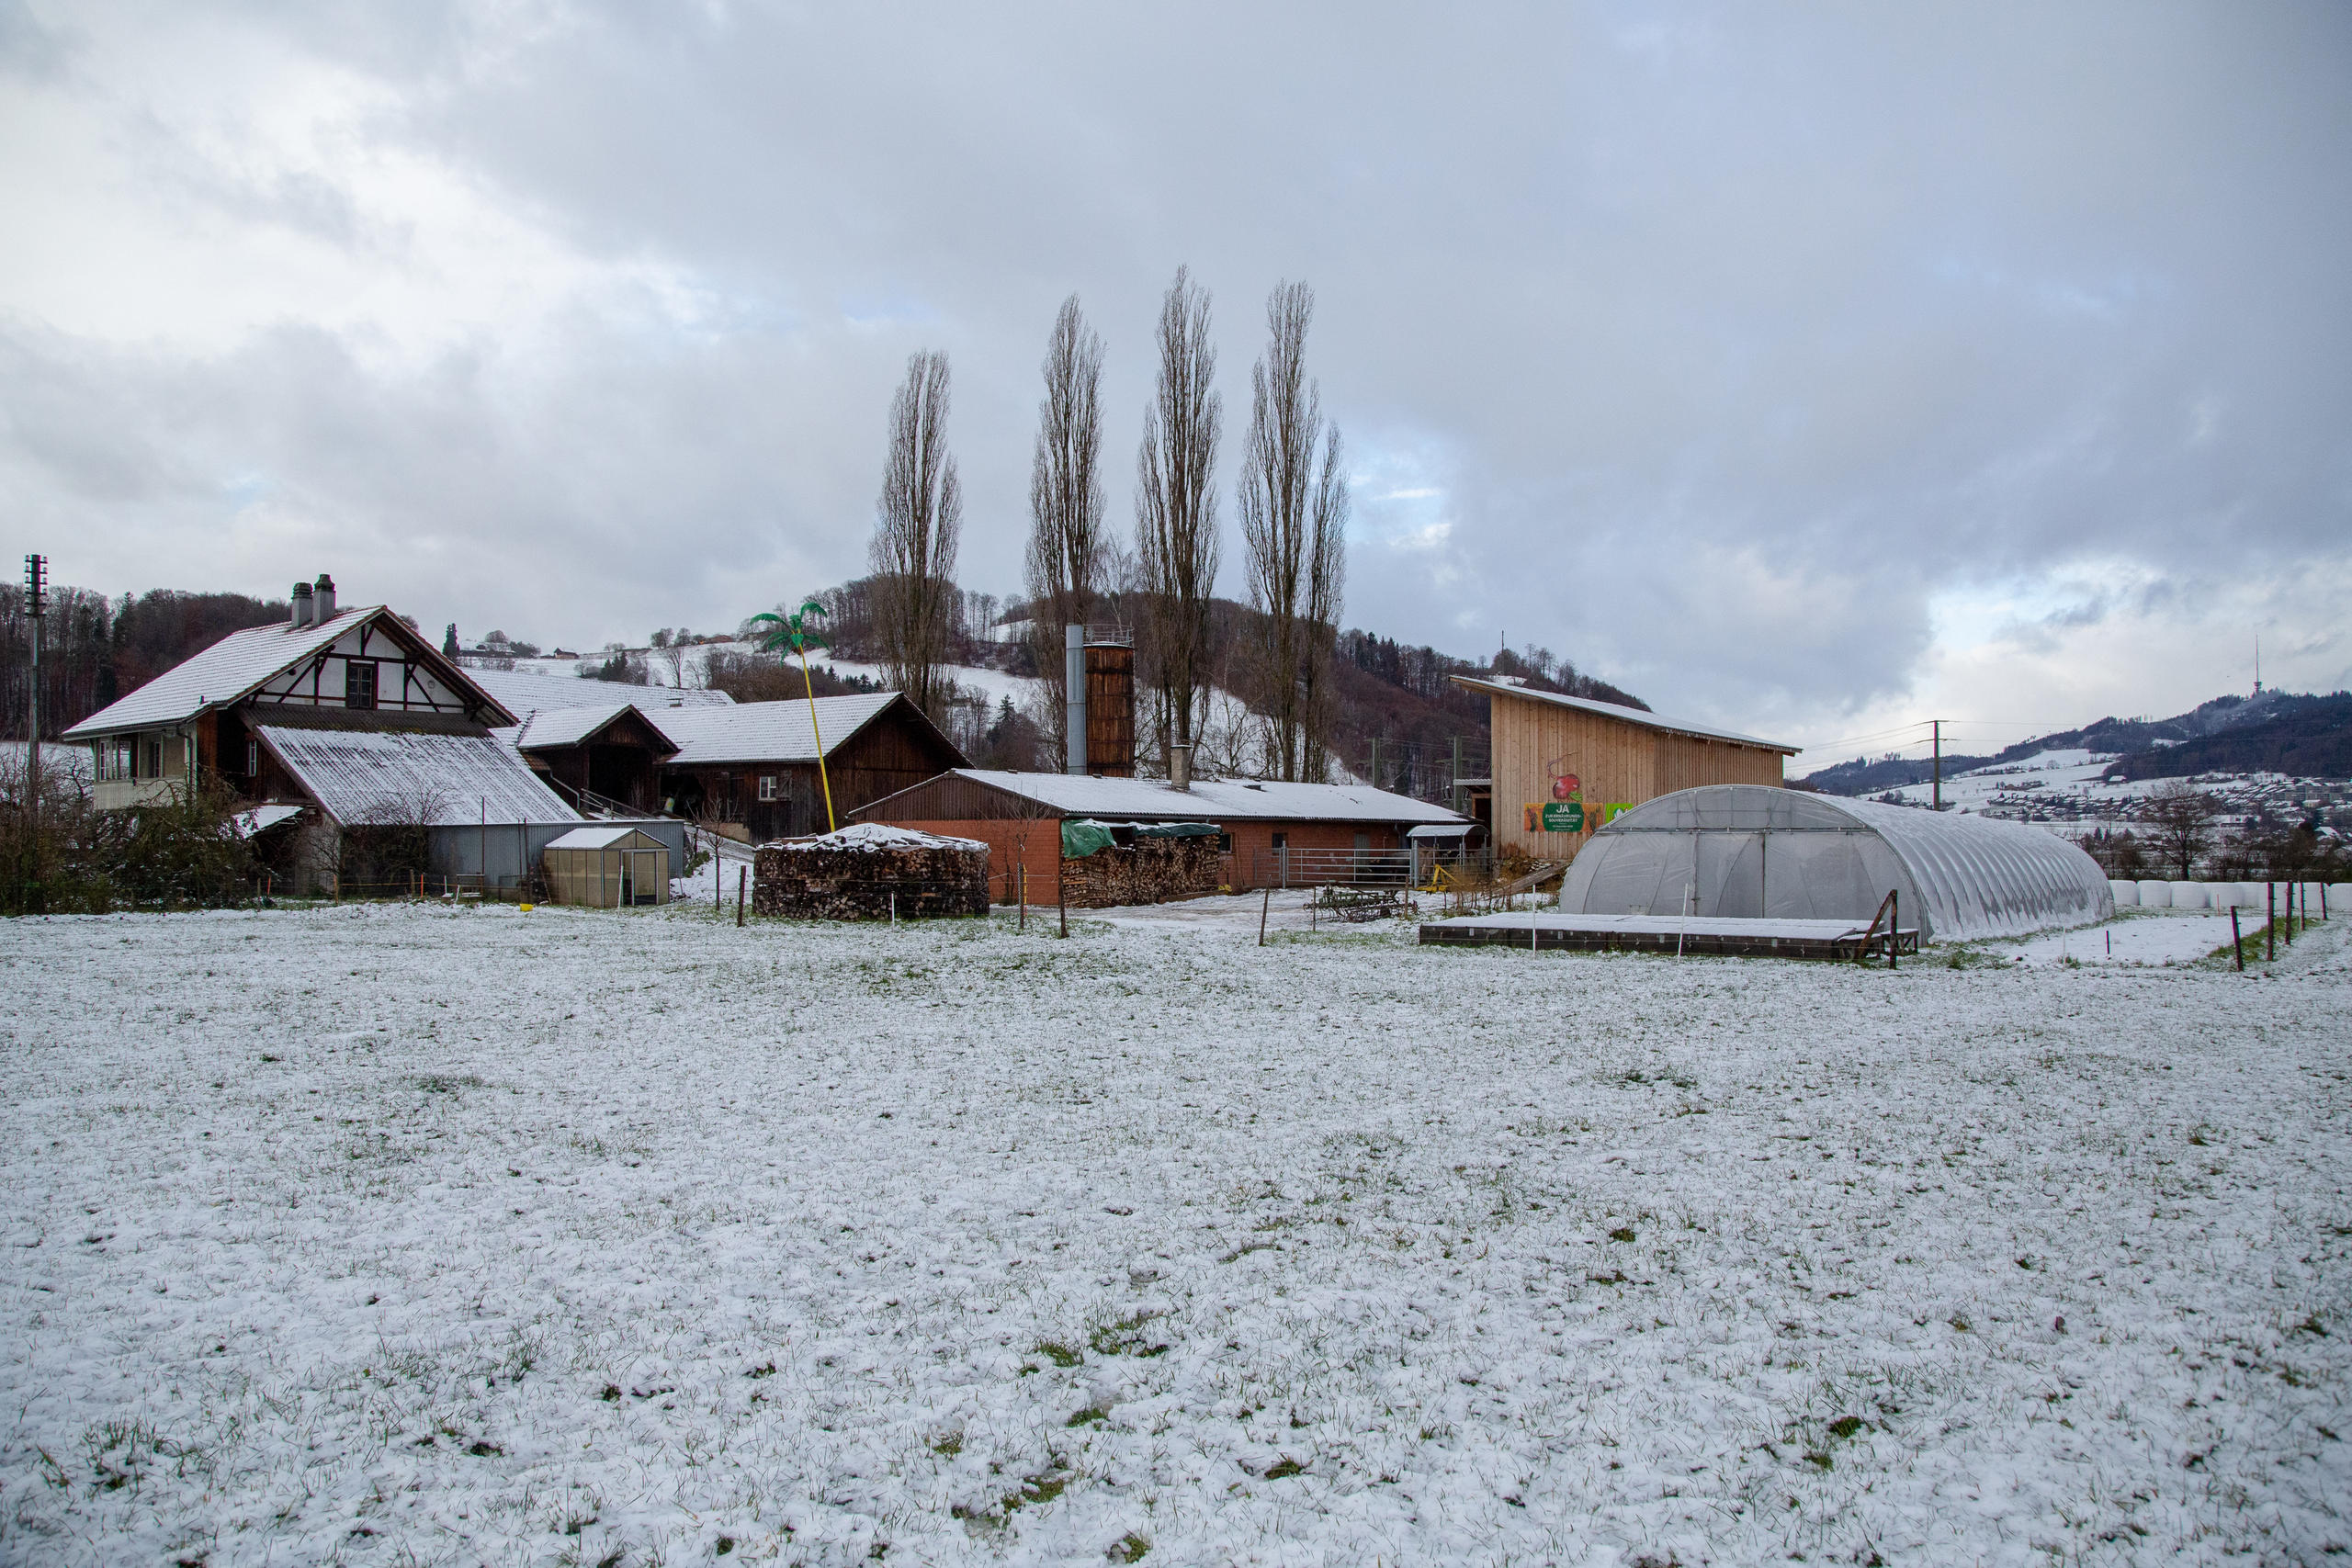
{"x": 416, "y": 1235}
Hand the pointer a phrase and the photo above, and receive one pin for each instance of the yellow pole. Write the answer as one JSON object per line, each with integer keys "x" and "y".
{"x": 809, "y": 682}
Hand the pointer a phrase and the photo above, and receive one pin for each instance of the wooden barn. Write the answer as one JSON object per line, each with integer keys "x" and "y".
{"x": 1565, "y": 765}
{"x": 603, "y": 758}
{"x": 1271, "y": 834}
{"x": 750, "y": 771}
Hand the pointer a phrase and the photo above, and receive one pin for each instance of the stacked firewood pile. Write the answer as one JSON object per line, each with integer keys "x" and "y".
{"x": 1150, "y": 871}
{"x": 869, "y": 872}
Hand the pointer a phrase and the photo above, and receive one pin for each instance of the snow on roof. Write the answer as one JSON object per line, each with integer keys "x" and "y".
{"x": 563, "y": 726}
{"x": 261, "y": 819}
{"x": 599, "y": 837}
{"x": 1619, "y": 711}
{"x": 221, "y": 673}
{"x": 521, "y": 691}
{"x": 1212, "y": 800}
{"x": 766, "y": 732}
{"x": 870, "y": 836}
{"x": 359, "y": 777}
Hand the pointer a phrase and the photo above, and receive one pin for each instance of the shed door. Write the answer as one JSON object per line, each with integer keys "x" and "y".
{"x": 645, "y": 870}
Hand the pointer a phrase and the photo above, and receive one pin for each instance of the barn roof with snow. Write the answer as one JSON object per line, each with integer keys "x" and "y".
{"x": 523, "y": 690}
{"x": 1156, "y": 800}
{"x": 776, "y": 731}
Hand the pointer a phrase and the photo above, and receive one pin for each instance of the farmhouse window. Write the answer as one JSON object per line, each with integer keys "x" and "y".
{"x": 253, "y": 757}
{"x": 359, "y": 682}
{"x": 155, "y": 760}
{"x": 767, "y": 786}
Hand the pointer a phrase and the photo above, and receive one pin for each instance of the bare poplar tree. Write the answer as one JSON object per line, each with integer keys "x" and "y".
{"x": 917, "y": 521}
{"x": 1176, "y": 533}
{"x": 1327, "y": 571}
{"x": 1066, "y": 558}
{"x": 1293, "y": 524}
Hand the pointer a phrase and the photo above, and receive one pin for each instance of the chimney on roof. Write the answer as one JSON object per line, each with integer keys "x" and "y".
{"x": 301, "y": 605}
{"x": 323, "y": 600}
{"x": 1179, "y": 766}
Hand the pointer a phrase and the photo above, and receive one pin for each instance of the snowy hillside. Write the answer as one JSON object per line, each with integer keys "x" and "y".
{"x": 2078, "y": 790}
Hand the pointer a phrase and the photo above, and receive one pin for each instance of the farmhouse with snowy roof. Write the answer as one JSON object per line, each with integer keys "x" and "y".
{"x": 325, "y": 668}
{"x": 334, "y": 721}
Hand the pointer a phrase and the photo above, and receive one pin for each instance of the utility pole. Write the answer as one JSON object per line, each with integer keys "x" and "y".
{"x": 1940, "y": 762}
{"x": 35, "y": 612}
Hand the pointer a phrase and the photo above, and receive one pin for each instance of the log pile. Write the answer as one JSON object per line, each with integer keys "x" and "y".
{"x": 1150, "y": 871}
{"x": 862, "y": 872}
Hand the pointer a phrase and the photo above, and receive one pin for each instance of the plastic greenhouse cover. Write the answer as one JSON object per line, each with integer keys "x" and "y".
{"x": 1750, "y": 850}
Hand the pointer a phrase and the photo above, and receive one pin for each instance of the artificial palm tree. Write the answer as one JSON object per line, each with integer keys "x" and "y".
{"x": 794, "y": 631}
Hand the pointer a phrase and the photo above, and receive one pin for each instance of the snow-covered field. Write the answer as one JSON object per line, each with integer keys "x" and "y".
{"x": 395, "y": 1236}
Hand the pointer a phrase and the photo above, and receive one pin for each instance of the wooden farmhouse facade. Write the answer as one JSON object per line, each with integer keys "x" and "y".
{"x": 1563, "y": 766}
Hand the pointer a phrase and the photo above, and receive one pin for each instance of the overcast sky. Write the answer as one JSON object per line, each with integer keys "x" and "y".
{"x": 1809, "y": 370}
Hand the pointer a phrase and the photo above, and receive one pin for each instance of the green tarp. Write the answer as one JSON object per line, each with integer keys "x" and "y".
{"x": 1083, "y": 837}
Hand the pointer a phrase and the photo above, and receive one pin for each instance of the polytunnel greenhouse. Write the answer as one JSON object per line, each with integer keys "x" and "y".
{"x": 1751, "y": 850}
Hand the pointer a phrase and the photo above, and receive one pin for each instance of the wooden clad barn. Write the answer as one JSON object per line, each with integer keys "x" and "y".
{"x": 602, "y": 757}
{"x": 1271, "y": 832}
{"x": 607, "y": 866}
{"x": 1565, "y": 765}
{"x": 750, "y": 769}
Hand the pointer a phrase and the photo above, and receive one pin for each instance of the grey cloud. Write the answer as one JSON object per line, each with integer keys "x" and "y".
{"x": 1728, "y": 338}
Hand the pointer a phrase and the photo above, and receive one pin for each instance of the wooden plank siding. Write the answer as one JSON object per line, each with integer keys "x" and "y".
{"x": 1111, "y": 710}
{"x": 1616, "y": 761}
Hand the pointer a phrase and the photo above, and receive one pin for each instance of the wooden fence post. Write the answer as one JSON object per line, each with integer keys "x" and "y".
{"x": 1265, "y": 904}
{"x": 2237, "y": 943}
{"x": 742, "y": 881}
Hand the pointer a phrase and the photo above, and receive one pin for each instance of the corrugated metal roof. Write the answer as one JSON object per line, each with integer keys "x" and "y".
{"x": 521, "y": 691}
{"x": 437, "y": 779}
{"x": 764, "y": 732}
{"x": 1211, "y": 800}
{"x": 221, "y": 673}
{"x": 261, "y": 819}
{"x": 1642, "y": 718}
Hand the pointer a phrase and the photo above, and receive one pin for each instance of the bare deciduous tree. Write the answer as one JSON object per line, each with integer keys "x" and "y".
{"x": 1066, "y": 558}
{"x": 2181, "y": 818}
{"x": 1327, "y": 571}
{"x": 1294, "y": 522}
{"x": 917, "y": 521}
{"x": 1176, "y": 533}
